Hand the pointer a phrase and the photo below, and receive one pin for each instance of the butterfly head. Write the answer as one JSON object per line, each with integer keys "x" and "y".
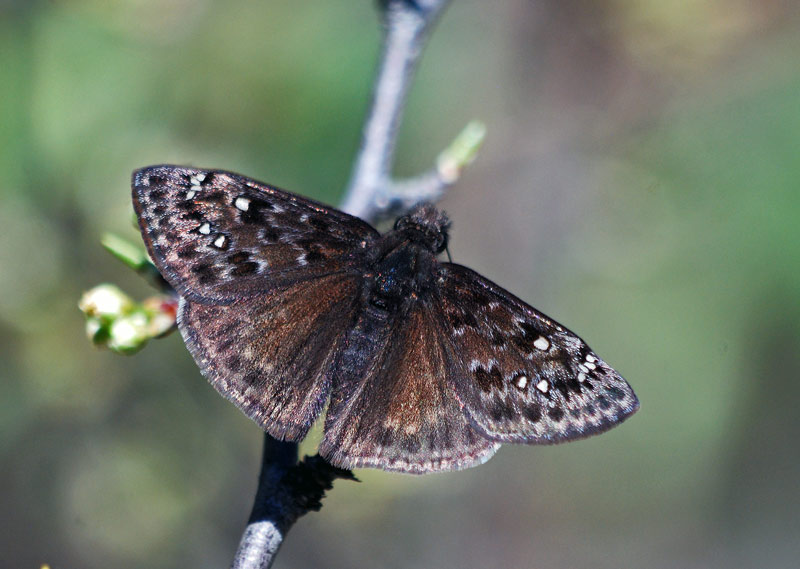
{"x": 426, "y": 225}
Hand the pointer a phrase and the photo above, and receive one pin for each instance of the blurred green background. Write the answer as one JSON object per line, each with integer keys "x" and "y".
{"x": 640, "y": 182}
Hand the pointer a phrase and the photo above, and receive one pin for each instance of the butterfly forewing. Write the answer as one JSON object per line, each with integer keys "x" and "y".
{"x": 520, "y": 376}
{"x": 396, "y": 410}
{"x": 219, "y": 236}
{"x": 272, "y": 354}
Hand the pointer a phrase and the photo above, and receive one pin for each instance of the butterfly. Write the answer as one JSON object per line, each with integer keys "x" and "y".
{"x": 289, "y": 306}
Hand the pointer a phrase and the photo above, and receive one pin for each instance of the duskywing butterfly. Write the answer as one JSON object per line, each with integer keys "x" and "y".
{"x": 425, "y": 366}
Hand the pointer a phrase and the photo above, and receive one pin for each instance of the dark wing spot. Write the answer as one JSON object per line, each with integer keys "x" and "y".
{"x": 319, "y": 224}
{"x": 187, "y": 252}
{"x": 568, "y": 386}
{"x": 252, "y": 378}
{"x": 239, "y": 257}
{"x": 218, "y": 198}
{"x": 488, "y": 380}
{"x": 615, "y": 393}
{"x": 270, "y": 235}
{"x": 533, "y": 413}
{"x": 410, "y": 444}
{"x": 205, "y": 273}
{"x": 243, "y": 269}
{"x": 261, "y": 204}
{"x": 386, "y": 436}
{"x": 307, "y": 243}
{"x": 314, "y": 255}
{"x": 522, "y": 343}
{"x": 497, "y": 338}
{"x": 481, "y": 299}
{"x": 469, "y": 320}
{"x": 194, "y": 215}
{"x": 255, "y": 211}
{"x": 252, "y": 216}
{"x": 556, "y": 414}
{"x": 528, "y": 329}
{"x": 498, "y": 412}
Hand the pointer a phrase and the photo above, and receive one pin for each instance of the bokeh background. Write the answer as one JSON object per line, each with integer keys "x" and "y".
{"x": 640, "y": 182}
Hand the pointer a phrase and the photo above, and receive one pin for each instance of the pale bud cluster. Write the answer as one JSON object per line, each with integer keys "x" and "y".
{"x": 117, "y": 322}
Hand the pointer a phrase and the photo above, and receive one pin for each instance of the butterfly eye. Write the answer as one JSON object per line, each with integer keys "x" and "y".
{"x": 443, "y": 245}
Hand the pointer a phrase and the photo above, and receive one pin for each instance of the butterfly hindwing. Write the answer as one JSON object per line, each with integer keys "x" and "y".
{"x": 218, "y": 236}
{"x": 395, "y": 409}
{"x": 520, "y": 376}
{"x": 272, "y": 354}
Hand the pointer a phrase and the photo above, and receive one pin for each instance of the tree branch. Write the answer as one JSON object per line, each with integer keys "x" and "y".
{"x": 371, "y": 193}
{"x": 286, "y": 490}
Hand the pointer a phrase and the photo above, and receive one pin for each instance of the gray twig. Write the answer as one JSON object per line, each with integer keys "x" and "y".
{"x": 288, "y": 489}
{"x": 371, "y": 192}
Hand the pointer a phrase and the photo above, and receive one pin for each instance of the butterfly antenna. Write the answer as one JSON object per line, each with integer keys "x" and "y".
{"x": 449, "y": 258}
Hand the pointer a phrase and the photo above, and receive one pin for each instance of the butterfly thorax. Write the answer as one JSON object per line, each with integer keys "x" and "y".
{"x": 426, "y": 226}
{"x": 400, "y": 273}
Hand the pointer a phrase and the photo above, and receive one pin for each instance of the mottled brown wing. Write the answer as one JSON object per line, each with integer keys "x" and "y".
{"x": 392, "y": 406}
{"x": 271, "y": 355}
{"x": 215, "y": 235}
{"x": 520, "y": 376}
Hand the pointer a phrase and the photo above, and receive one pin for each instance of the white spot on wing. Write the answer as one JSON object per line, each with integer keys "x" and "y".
{"x": 522, "y": 381}
{"x": 541, "y": 343}
{"x": 205, "y": 229}
{"x": 589, "y": 364}
{"x": 301, "y": 259}
{"x": 583, "y": 368}
{"x": 590, "y": 358}
{"x": 581, "y": 376}
{"x": 543, "y": 386}
{"x": 242, "y": 203}
{"x": 220, "y": 241}
{"x": 190, "y": 194}
{"x": 197, "y": 179}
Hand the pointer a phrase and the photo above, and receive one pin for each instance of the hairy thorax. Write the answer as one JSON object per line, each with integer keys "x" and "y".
{"x": 399, "y": 276}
